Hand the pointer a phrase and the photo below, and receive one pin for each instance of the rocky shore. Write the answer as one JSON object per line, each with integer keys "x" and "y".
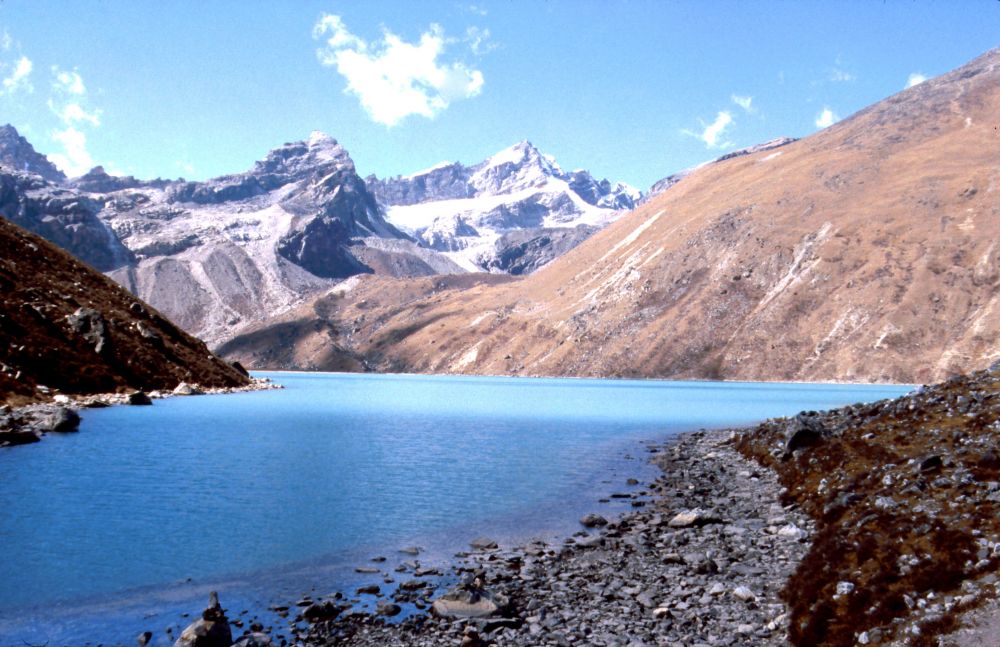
{"x": 30, "y": 423}
{"x": 873, "y": 524}
{"x": 700, "y": 560}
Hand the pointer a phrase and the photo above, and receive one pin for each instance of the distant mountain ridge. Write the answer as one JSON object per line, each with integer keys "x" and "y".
{"x": 465, "y": 212}
{"x": 234, "y": 250}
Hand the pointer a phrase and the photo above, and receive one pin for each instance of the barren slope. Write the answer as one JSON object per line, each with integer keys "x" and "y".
{"x": 865, "y": 252}
{"x": 64, "y": 326}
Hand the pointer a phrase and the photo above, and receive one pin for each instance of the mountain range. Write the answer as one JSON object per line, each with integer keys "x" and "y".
{"x": 492, "y": 215}
{"x": 235, "y": 250}
{"x": 865, "y": 252}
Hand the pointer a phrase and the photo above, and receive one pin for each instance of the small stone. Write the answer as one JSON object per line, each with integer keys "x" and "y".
{"x": 845, "y": 588}
{"x": 743, "y": 593}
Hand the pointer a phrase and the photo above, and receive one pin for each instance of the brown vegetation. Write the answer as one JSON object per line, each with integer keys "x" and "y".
{"x": 906, "y": 498}
{"x": 66, "y": 327}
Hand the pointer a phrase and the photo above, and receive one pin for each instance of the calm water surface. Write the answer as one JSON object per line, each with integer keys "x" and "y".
{"x": 270, "y": 493}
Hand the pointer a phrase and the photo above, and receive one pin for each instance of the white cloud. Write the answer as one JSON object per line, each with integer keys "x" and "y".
{"x": 74, "y": 159}
{"x": 18, "y": 79}
{"x": 67, "y": 103}
{"x": 826, "y": 118}
{"x": 479, "y": 41}
{"x": 68, "y": 82}
{"x": 713, "y": 132}
{"x": 6, "y": 42}
{"x": 744, "y": 102}
{"x": 476, "y": 9}
{"x": 915, "y": 79}
{"x": 838, "y": 75}
{"x": 73, "y": 113}
{"x": 394, "y": 79}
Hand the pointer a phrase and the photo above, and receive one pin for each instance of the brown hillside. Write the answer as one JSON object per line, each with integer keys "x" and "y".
{"x": 867, "y": 251}
{"x": 65, "y": 326}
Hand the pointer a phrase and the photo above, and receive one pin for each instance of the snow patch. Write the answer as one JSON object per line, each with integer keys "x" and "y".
{"x": 632, "y": 237}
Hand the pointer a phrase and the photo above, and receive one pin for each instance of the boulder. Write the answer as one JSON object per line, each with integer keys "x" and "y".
{"x": 469, "y": 601}
{"x": 186, "y": 389}
{"x": 11, "y": 438}
{"x": 255, "y": 639}
{"x": 90, "y": 324}
{"x": 211, "y": 630}
{"x": 319, "y": 611}
{"x": 593, "y": 520}
{"x": 139, "y": 398}
{"x": 57, "y": 419}
{"x": 803, "y": 431}
{"x": 388, "y": 609}
{"x": 692, "y": 518}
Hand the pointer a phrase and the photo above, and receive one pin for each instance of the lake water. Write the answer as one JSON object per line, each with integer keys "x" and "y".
{"x": 268, "y": 494}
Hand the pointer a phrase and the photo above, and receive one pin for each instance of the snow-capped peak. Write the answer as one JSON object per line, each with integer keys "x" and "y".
{"x": 426, "y": 171}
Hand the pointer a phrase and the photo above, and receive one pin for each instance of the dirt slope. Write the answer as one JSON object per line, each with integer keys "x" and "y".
{"x": 867, "y": 251}
{"x": 66, "y": 327}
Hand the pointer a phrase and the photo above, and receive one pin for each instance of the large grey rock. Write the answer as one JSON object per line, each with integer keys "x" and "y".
{"x": 469, "y": 601}
{"x": 56, "y": 418}
{"x": 90, "y": 324}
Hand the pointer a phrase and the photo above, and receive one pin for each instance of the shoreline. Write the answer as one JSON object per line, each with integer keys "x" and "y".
{"x": 591, "y": 377}
{"x": 30, "y": 423}
{"x": 703, "y": 554}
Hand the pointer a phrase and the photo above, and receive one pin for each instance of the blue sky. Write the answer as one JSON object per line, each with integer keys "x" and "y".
{"x": 632, "y": 90}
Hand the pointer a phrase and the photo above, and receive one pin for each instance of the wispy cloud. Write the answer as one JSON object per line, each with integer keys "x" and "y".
{"x": 712, "y": 134}
{"x": 744, "y": 102}
{"x": 479, "y": 10}
{"x": 914, "y": 79}
{"x": 838, "y": 75}
{"x": 6, "y": 42}
{"x": 392, "y": 78}
{"x": 68, "y": 82}
{"x": 479, "y": 41}
{"x": 826, "y": 118}
{"x": 69, "y": 96}
{"x": 19, "y": 77}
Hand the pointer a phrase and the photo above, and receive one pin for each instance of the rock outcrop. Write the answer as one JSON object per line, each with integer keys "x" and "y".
{"x": 62, "y": 215}
{"x": 16, "y": 154}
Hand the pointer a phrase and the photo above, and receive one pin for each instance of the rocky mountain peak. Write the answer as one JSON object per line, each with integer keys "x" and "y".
{"x": 319, "y": 155}
{"x": 18, "y": 154}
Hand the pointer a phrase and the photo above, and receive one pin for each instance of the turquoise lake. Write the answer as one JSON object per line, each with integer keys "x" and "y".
{"x": 128, "y": 523}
